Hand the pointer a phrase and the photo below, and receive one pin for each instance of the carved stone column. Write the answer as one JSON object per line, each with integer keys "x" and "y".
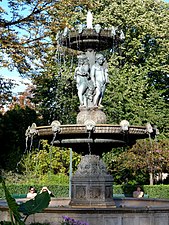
{"x": 91, "y": 184}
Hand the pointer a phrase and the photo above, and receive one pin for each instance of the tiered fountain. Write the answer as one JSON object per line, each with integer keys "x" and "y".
{"x": 91, "y": 185}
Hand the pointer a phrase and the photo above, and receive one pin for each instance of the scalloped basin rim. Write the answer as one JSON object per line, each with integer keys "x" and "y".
{"x": 101, "y": 138}
{"x": 97, "y": 129}
{"x": 97, "y": 125}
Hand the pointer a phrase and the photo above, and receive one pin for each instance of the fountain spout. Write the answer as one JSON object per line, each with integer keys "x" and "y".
{"x": 30, "y": 133}
{"x": 90, "y": 126}
{"x": 55, "y": 129}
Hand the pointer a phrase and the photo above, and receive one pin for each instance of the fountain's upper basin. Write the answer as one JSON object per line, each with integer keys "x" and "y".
{"x": 79, "y": 137}
{"x": 89, "y": 39}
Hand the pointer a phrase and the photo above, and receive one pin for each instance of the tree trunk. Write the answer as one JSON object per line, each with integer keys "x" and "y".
{"x": 151, "y": 178}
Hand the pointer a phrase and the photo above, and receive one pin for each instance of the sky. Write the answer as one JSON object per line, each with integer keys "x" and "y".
{"x": 14, "y": 74}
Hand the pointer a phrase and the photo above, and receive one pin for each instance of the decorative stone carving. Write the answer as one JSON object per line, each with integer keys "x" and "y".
{"x": 97, "y": 115}
{"x": 91, "y": 165}
{"x": 80, "y": 192}
{"x": 95, "y": 192}
{"x": 91, "y": 183}
{"x": 55, "y": 126}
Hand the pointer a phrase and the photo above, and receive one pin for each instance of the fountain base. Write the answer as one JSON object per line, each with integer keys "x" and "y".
{"x": 91, "y": 185}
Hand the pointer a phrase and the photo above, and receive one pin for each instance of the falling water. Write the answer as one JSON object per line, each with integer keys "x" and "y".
{"x": 150, "y": 131}
{"x": 30, "y": 133}
{"x": 56, "y": 129}
{"x": 89, "y": 145}
{"x": 50, "y": 150}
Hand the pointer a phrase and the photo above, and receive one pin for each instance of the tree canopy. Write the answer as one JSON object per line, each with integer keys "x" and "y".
{"x": 6, "y": 86}
{"x": 28, "y": 29}
{"x": 146, "y": 157}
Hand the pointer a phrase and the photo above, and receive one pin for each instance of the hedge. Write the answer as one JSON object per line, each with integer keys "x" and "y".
{"x": 57, "y": 190}
{"x": 153, "y": 191}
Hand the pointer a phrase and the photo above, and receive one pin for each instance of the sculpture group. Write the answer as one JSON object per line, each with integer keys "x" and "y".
{"x": 91, "y": 82}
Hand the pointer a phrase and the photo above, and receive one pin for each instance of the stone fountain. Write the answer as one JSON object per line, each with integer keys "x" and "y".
{"x": 91, "y": 184}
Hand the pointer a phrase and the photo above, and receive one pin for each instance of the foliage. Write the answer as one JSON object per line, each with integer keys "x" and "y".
{"x": 59, "y": 189}
{"x": 40, "y": 202}
{"x": 13, "y": 206}
{"x": 49, "y": 178}
{"x": 121, "y": 174}
{"x": 22, "y": 100}
{"x": 124, "y": 101}
{"x": 55, "y": 96}
{"x": 134, "y": 164}
{"x": 70, "y": 221}
{"x": 32, "y": 206}
{"x": 12, "y": 128}
{"x": 48, "y": 158}
{"x": 26, "y": 27}
{"x": 6, "y": 86}
{"x": 157, "y": 191}
{"x": 138, "y": 89}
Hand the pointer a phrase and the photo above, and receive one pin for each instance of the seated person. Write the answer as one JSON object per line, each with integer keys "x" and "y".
{"x": 46, "y": 189}
{"x": 32, "y": 192}
{"x": 138, "y": 193}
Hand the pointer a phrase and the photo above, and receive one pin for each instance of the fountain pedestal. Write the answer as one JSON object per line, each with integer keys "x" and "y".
{"x": 91, "y": 185}
{"x": 95, "y": 114}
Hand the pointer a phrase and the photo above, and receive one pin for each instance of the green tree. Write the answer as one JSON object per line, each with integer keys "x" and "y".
{"x": 12, "y": 135}
{"x": 139, "y": 164}
{"x": 26, "y": 28}
{"x": 131, "y": 96}
{"x": 28, "y": 41}
{"x": 47, "y": 160}
{"x": 6, "y": 86}
{"x": 138, "y": 89}
{"x": 55, "y": 96}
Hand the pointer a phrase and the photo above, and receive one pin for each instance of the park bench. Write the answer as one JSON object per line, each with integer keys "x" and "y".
{"x": 127, "y": 195}
{"x": 19, "y": 195}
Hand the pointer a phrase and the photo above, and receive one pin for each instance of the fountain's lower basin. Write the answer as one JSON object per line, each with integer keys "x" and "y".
{"x": 128, "y": 211}
{"x": 101, "y": 138}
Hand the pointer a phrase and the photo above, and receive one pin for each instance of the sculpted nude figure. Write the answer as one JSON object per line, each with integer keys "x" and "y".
{"x": 99, "y": 77}
{"x": 83, "y": 81}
